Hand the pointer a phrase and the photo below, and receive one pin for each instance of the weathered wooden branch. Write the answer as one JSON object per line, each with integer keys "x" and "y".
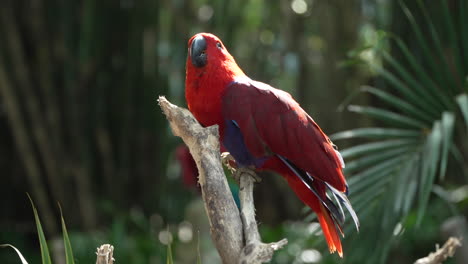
{"x": 441, "y": 254}
{"x": 254, "y": 250}
{"x": 105, "y": 254}
{"x": 236, "y": 238}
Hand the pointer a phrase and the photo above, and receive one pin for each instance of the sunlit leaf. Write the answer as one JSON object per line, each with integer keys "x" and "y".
{"x": 462, "y": 101}
{"x": 447, "y": 123}
{"x": 23, "y": 260}
{"x": 369, "y": 148}
{"x": 375, "y": 133}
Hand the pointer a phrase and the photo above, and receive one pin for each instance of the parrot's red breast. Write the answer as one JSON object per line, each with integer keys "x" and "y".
{"x": 266, "y": 128}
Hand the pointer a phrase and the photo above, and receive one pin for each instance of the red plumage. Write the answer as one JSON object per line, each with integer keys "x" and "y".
{"x": 276, "y": 133}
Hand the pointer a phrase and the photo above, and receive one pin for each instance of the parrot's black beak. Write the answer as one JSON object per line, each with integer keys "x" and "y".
{"x": 198, "y": 51}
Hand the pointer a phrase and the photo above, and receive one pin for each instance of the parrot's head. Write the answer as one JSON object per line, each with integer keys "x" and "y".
{"x": 208, "y": 62}
{"x": 209, "y": 71}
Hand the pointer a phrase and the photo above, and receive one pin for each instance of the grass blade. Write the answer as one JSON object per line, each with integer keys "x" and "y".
{"x": 198, "y": 249}
{"x": 66, "y": 241}
{"x": 169, "y": 259}
{"x": 23, "y": 260}
{"x": 42, "y": 240}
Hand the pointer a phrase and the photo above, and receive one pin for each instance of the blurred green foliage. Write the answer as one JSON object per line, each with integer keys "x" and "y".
{"x": 80, "y": 124}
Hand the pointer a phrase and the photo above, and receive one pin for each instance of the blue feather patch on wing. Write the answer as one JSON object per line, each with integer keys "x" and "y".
{"x": 234, "y": 142}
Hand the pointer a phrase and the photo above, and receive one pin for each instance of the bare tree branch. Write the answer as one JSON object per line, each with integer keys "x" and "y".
{"x": 105, "y": 254}
{"x": 441, "y": 254}
{"x": 236, "y": 238}
{"x": 254, "y": 251}
{"x": 223, "y": 215}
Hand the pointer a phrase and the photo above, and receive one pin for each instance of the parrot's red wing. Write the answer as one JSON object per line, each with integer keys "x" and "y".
{"x": 271, "y": 122}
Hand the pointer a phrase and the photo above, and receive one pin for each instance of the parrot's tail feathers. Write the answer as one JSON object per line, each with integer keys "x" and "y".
{"x": 311, "y": 184}
{"x": 329, "y": 229}
{"x": 313, "y": 193}
{"x": 342, "y": 199}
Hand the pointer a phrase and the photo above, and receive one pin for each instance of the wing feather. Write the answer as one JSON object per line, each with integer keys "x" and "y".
{"x": 273, "y": 123}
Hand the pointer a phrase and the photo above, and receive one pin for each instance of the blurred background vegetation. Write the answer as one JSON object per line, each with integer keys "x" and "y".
{"x": 80, "y": 124}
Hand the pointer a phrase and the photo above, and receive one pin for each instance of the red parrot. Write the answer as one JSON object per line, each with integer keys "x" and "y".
{"x": 265, "y": 128}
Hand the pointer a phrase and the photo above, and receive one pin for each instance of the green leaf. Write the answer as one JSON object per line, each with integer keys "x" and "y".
{"x": 23, "y": 260}
{"x": 389, "y": 117}
{"x": 400, "y": 104}
{"x": 450, "y": 28}
{"x": 430, "y": 161}
{"x": 376, "y": 133}
{"x": 375, "y": 146}
{"x": 447, "y": 123}
{"x": 42, "y": 240}
{"x": 367, "y": 160}
{"x": 375, "y": 173}
{"x": 66, "y": 241}
{"x": 420, "y": 92}
{"x": 427, "y": 82}
{"x": 443, "y": 65}
{"x": 423, "y": 44}
{"x": 404, "y": 178}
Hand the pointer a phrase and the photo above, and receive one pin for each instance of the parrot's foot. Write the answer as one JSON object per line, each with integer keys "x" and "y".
{"x": 246, "y": 171}
{"x": 228, "y": 160}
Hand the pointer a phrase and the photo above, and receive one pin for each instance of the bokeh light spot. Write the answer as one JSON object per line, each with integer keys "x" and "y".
{"x": 310, "y": 256}
{"x": 185, "y": 232}
{"x": 205, "y": 13}
{"x": 299, "y": 6}
{"x": 165, "y": 237}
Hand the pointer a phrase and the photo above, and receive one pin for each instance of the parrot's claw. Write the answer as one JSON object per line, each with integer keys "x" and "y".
{"x": 246, "y": 170}
{"x": 228, "y": 160}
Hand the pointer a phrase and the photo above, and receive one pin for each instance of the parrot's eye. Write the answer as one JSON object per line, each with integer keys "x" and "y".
{"x": 218, "y": 44}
